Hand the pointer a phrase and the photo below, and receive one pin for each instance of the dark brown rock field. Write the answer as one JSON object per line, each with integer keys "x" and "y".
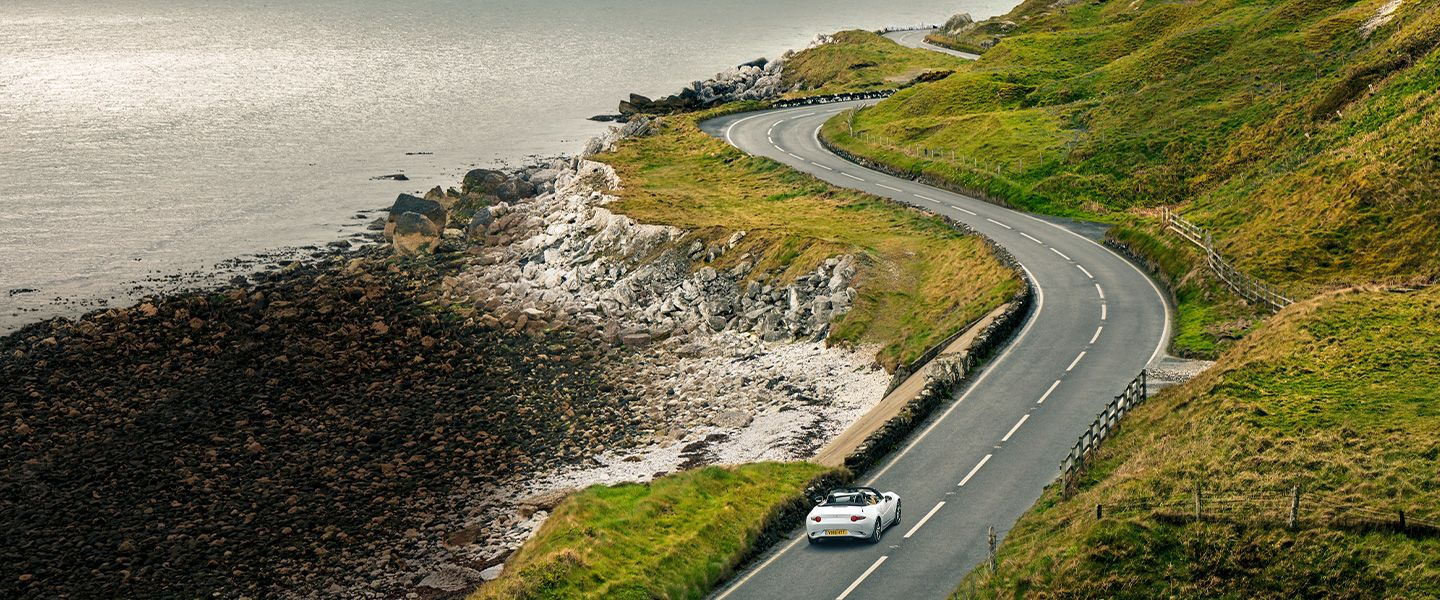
{"x": 276, "y": 439}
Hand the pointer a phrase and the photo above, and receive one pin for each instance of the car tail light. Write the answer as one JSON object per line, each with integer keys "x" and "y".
{"x": 856, "y": 518}
{"x": 817, "y": 519}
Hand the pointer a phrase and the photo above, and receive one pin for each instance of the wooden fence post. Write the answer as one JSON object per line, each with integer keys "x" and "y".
{"x": 1402, "y": 520}
{"x": 1197, "y": 501}
{"x": 992, "y": 550}
{"x": 1099, "y": 511}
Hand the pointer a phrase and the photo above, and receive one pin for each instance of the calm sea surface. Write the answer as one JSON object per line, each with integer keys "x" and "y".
{"x": 142, "y": 140}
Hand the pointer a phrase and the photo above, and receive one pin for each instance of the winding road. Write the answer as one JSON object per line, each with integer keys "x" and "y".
{"x": 916, "y": 39}
{"x": 986, "y": 456}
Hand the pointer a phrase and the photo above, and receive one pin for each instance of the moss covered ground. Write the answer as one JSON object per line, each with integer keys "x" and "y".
{"x": 861, "y": 61}
{"x": 919, "y": 280}
{"x": 1339, "y": 395}
{"x": 673, "y": 538}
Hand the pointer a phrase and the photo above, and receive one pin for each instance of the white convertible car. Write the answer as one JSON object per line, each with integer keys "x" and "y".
{"x": 852, "y": 512}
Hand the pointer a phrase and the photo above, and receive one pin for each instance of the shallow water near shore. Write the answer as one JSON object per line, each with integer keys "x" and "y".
{"x": 140, "y": 141}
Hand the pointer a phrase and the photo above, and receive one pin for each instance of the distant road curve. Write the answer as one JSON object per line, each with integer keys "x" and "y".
{"x": 916, "y": 39}
{"x": 1097, "y": 321}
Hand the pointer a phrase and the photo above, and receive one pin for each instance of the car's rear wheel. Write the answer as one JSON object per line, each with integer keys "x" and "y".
{"x": 812, "y": 540}
{"x": 875, "y": 535}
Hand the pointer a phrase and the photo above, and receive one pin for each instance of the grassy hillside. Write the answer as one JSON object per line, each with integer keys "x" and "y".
{"x": 919, "y": 280}
{"x": 1305, "y": 139}
{"x": 1339, "y": 395}
{"x": 674, "y": 537}
{"x": 861, "y": 61}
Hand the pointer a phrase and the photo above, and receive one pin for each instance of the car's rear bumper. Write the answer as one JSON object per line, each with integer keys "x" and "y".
{"x": 825, "y": 531}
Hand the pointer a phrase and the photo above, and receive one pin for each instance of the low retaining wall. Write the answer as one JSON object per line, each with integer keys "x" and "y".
{"x": 947, "y": 373}
{"x": 829, "y": 98}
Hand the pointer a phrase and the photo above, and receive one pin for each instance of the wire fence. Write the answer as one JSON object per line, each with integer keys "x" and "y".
{"x": 1243, "y": 285}
{"x": 1288, "y": 508}
{"x": 1106, "y": 422}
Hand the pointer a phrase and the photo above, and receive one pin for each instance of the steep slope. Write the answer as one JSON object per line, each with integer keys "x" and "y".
{"x": 1335, "y": 397}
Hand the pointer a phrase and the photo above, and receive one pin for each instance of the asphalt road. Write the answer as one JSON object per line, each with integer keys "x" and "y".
{"x": 988, "y": 454}
{"x": 916, "y": 39}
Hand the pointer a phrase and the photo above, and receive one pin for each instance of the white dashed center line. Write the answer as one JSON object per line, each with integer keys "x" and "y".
{"x": 1097, "y": 333}
{"x": 995, "y": 222}
{"x": 772, "y": 141}
{"x": 1077, "y": 361}
{"x": 1087, "y": 273}
{"x": 1032, "y": 239}
{"x": 851, "y": 176}
{"x": 974, "y": 470}
{"x": 1102, "y": 312}
{"x": 922, "y": 521}
{"x": 796, "y": 155}
{"x": 1047, "y": 392}
{"x": 888, "y": 187}
{"x": 1062, "y": 254}
{"x": 822, "y": 166}
{"x": 1013, "y": 429}
{"x": 862, "y": 578}
{"x": 926, "y": 198}
{"x": 1100, "y": 291}
{"x": 967, "y": 212}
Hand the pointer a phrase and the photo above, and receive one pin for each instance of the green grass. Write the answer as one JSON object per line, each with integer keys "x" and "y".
{"x": 672, "y": 538}
{"x": 1311, "y": 153}
{"x": 919, "y": 281}
{"x": 1339, "y": 395}
{"x": 861, "y": 61}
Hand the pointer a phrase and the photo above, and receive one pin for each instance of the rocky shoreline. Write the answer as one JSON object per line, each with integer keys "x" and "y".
{"x": 393, "y": 421}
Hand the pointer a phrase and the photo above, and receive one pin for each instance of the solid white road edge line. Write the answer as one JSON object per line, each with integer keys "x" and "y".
{"x": 1062, "y": 254}
{"x": 1097, "y": 334}
{"x": 1165, "y": 331}
{"x": 922, "y": 521}
{"x": 732, "y": 126}
{"x": 1029, "y": 324}
{"x": 974, "y": 471}
{"x": 1100, "y": 291}
{"x": 888, "y": 187}
{"x": 1014, "y": 429}
{"x": 993, "y": 221}
{"x": 757, "y": 569}
{"x": 1032, "y": 239}
{"x": 1087, "y": 273}
{"x": 851, "y": 176}
{"x": 1077, "y": 361}
{"x": 1047, "y": 392}
{"x": 862, "y": 578}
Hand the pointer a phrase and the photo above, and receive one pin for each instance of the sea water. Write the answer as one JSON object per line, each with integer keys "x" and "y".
{"x": 141, "y": 141}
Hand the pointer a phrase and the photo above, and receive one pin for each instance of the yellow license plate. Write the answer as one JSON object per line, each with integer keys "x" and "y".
{"x": 836, "y": 532}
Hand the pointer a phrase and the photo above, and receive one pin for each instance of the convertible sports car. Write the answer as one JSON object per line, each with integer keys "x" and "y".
{"x": 852, "y": 512}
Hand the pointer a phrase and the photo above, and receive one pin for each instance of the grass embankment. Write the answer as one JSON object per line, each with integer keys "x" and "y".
{"x": 860, "y": 61}
{"x": 1337, "y": 395}
{"x": 919, "y": 281}
{"x": 675, "y": 537}
{"x": 1309, "y": 148}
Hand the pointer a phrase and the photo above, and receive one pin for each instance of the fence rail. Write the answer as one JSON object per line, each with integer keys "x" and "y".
{"x": 1105, "y": 423}
{"x": 1243, "y": 285}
